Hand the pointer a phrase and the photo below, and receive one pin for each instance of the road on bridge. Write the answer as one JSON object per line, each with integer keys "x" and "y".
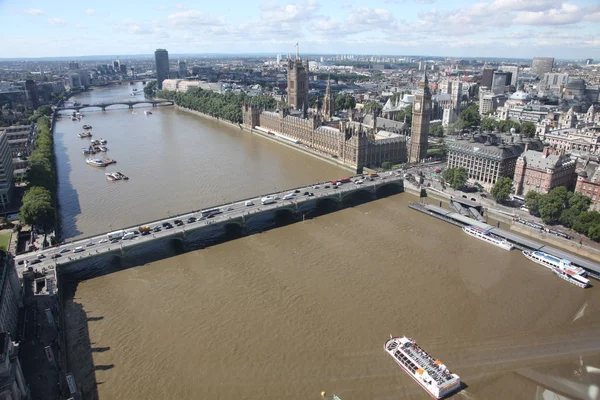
{"x": 64, "y": 253}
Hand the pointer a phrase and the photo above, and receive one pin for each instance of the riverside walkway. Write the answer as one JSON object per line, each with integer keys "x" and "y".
{"x": 322, "y": 197}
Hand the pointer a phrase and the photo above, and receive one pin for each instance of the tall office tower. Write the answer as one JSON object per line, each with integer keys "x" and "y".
{"x": 297, "y": 83}
{"x": 73, "y": 65}
{"x": 123, "y": 69}
{"x": 161, "y": 57}
{"x": 589, "y": 61}
{"x": 182, "y": 68}
{"x": 541, "y": 65}
{"x": 117, "y": 66}
{"x": 487, "y": 77}
{"x": 514, "y": 70}
{"x": 31, "y": 93}
{"x": 420, "y": 122}
{"x": 498, "y": 82}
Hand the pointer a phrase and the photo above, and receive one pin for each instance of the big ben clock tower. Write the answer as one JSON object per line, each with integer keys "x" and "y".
{"x": 420, "y": 122}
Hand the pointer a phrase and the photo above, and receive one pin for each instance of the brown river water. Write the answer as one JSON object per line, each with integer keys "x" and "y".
{"x": 306, "y": 308}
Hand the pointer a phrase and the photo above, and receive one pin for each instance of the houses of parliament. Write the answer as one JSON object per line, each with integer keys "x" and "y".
{"x": 356, "y": 141}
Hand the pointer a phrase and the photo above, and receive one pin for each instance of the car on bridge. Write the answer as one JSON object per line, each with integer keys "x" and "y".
{"x": 65, "y": 250}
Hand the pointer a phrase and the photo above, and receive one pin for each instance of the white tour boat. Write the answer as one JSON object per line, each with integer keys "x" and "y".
{"x": 549, "y": 261}
{"x": 571, "y": 277}
{"x": 562, "y": 267}
{"x": 486, "y": 236}
{"x": 430, "y": 373}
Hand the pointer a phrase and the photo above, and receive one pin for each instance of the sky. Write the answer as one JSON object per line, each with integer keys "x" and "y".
{"x": 460, "y": 28}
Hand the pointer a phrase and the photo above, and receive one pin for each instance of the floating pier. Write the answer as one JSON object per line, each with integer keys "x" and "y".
{"x": 518, "y": 241}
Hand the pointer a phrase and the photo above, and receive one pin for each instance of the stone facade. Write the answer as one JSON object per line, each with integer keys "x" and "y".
{"x": 588, "y": 183}
{"x": 10, "y": 295}
{"x": 585, "y": 140}
{"x": 12, "y": 380}
{"x": 488, "y": 156}
{"x": 543, "y": 171}
{"x": 420, "y": 122}
{"x": 352, "y": 143}
{"x": 297, "y": 83}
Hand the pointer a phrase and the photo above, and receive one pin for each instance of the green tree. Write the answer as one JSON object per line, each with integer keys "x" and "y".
{"x": 469, "y": 117}
{"x": 344, "y": 101}
{"x": 501, "y": 190}
{"x": 371, "y": 106}
{"x": 585, "y": 221}
{"x": 37, "y": 209}
{"x": 386, "y": 165}
{"x": 488, "y": 124}
{"x": 455, "y": 177}
{"x": 528, "y": 129}
{"x": 532, "y": 202}
{"x": 436, "y": 130}
{"x": 594, "y": 233}
{"x": 150, "y": 89}
{"x": 405, "y": 113}
{"x": 553, "y": 204}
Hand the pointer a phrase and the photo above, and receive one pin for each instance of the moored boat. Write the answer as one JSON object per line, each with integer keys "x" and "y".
{"x": 571, "y": 277}
{"x": 84, "y": 135}
{"x": 87, "y": 127}
{"x": 148, "y": 112}
{"x": 549, "y": 261}
{"x": 95, "y": 162}
{"x": 110, "y": 176}
{"x": 486, "y": 236}
{"x": 428, "y": 372}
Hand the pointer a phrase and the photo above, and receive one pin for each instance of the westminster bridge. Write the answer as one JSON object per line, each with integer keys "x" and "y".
{"x": 237, "y": 219}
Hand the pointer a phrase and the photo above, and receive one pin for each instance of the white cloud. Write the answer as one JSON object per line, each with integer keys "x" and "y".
{"x": 293, "y": 12}
{"x": 566, "y": 14}
{"x": 90, "y": 11}
{"x": 181, "y": 6}
{"x": 346, "y": 4}
{"x": 57, "y": 21}
{"x": 192, "y": 18}
{"x": 35, "y": 11}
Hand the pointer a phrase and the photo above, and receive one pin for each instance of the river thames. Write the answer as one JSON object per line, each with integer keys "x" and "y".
{"x": 307, "y": 307}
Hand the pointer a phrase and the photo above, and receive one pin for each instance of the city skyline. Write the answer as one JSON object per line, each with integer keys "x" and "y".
{"x": 498, "y": 28}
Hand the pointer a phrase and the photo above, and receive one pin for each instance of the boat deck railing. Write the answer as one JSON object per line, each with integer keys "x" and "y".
{"x": 425, "y": 361}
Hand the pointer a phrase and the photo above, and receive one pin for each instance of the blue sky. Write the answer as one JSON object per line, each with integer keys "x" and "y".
{"x": 491, "y": 28}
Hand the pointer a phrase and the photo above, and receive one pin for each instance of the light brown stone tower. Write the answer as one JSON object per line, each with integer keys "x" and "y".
{"x": 328, "y": 102}
{"x": 421, "y": 113}
{"x": 297, "y": 83}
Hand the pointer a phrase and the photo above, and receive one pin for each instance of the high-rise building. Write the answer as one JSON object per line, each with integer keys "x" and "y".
{"x": 123, "y": 69}
{"x": 117, "y": 66}
{"x": 182, "y": 69}
{"x": 514, "y": 71}
{"x": 73, "y": 65}
{"x": 589, "y": 61}
{"x": 297, "y": 83}
{"x": 328, "y": 102}
{"x": 498, "y": 82}
{"x": 31, "y": 93}
{"x": 487, "y": 77}
{"x": 420, "y": 122}
{"x": 6, "y": 172}
{"x": 161, "y": 57}
{"x": 541, "y": 65}
{"x": 84, "y": 78}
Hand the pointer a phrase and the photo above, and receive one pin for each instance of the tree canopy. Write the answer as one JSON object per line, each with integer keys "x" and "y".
{"x": 469, "y": 117}
{"x": 501, "y": 189}
{"x": 226, "y": 106}
{"x": 344, "y": 101}
{"x": 372, "y": 105}
{"x": 150, "y": 89}
{"x": 455, "y": 177}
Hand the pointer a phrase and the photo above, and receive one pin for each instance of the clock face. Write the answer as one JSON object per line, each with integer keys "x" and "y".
{"x": 417, "y": 106}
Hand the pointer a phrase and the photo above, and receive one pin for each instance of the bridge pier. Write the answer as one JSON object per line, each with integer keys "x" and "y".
{"x": 103, "y": 108}
{"x": 131, "y": 106}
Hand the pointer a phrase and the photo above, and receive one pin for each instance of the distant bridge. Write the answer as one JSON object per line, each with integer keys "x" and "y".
{"x": 130, "y": 104}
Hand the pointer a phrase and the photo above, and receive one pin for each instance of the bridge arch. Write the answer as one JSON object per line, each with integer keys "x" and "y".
{"x": 389, "y": 189}
{"x": 357, "y": 197}
{"x": 325, "y": 205}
